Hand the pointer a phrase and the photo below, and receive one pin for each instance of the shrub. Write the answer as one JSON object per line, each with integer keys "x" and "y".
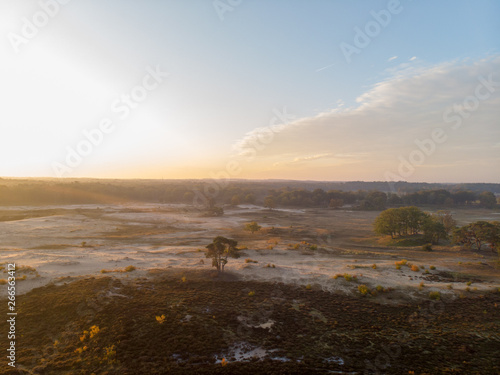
{"x": 251, "y": 293}
{"x": 348, "y": 277}
{"x": 449, "y": 286}
{"x": 435, "y": 295}
{"x": 363, "y": 289}
{"x": 130, "y": 268}
{"x": 421, "y": 285}
{"x": 248, "y": 260}
{"x": 398, "y": 267}
{"x": 379, "y": 288}
{"x": 313, "y": 247}
{"x": 183, "y": 279}
{"x": 160, "y": 319}
{"x": 469, "y": 283}
{"x": 415, "y": 268}
{"x": 374, "y": 266}
{"x": 432, "y": 267}
{"x": 308, "y": 287}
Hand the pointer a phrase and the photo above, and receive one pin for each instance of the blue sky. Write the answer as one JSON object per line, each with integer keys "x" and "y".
{"x": 231, "y": 73}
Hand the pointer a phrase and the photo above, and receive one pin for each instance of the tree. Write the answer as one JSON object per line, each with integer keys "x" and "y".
{"x": 336, "y": 203}
{"x": 269, "y": 202}
{"x": 252, "y": 227}
{"x": 477, "y": 234}
{"x": 250, "y": 198}
{"x": 388, "y": 222}
{"x": 235, "y": 200}
{"x": 487, "y": 199}
{"x": 434, "y": 230}
{"x": 219, "y": 250}
{"x": 400, "y": 221}
{"x": 445, "y": 218}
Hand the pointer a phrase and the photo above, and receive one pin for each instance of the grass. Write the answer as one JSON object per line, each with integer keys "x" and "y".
{"x": 126, "y": 269}
{"x": 435, "y": 295}
{"x": 407, "y": 241}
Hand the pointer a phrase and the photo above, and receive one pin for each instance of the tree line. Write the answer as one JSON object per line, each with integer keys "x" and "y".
{"x": 408, "y": 221}
{"x": 276, "y": 194}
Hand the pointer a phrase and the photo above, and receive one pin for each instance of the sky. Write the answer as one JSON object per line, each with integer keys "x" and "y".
{"x": 259, "y": 89}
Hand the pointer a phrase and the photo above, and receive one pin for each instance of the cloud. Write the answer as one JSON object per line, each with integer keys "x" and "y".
{"x": 392, "y": 58}
{"x": 413, "y": 58}
{"x": 390, "y": 117}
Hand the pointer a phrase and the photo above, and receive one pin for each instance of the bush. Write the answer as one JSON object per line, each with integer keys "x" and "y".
{"x": 363, "y": 289}
{"x": 432, "y": 267}
{"x": 308, "y": 287}
{"x": 374, "y": 266}
{"x": 251, "y": 294}
{"x": 130, "y": 268}
{"x": 380, "y": 288}
{"x": 415, "y": 268}
{"x": 348, "y": 277}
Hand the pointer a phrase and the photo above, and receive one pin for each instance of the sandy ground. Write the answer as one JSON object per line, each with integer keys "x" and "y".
{"x": 77, "y": 241}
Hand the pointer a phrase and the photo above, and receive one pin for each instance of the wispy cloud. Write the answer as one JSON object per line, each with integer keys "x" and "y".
{"x": 413, "y": 58}
{"x": 390, "y": 117}
{"x": 392, "y": 58}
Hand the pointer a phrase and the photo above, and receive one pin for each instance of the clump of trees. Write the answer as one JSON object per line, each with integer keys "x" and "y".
{"x": 252, "y": 227}
{"x": 405, "y": 221}
{"x": 220, "y": 250}
{"x": 477, "y": 234}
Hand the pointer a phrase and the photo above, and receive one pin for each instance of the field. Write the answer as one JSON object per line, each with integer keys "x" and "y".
{"x": 314, "y": 291}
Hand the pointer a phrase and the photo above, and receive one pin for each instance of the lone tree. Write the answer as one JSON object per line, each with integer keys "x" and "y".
{"x": 219, "y": 250}
{"x": 252, "y": 227}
